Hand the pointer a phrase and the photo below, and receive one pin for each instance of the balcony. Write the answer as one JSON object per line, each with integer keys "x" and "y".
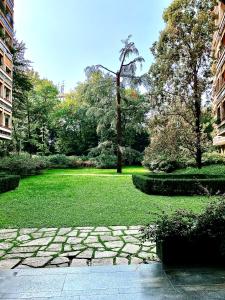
{"x": 219, "y": 141}
{"x": 220, "y": 95}
{"x": 222, "y": 24}
{"x": 5, "y": 50}
{"x": 10, "y": 5}
{"x": 221, "y": 59}
{"x": 6, "y": 24}
{"x": 221, "y": 128}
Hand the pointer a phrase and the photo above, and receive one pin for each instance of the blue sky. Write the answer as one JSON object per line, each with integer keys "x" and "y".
{"x": 65, "y": 36}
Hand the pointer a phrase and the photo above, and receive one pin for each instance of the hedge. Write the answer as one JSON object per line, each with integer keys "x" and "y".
{"x": 8, "y": 183}
{"x": 179, "y": 184}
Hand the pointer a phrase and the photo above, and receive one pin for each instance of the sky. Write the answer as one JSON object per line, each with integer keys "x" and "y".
{"x": 63, "y": 37}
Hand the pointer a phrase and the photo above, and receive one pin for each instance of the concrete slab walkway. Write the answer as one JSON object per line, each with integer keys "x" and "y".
{"x": 73, "y": 247}
{"x": 143, "y": 282}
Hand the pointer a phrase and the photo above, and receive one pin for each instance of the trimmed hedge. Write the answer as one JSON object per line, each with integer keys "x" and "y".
{"x": 8, "y": 183}
{"x": 180, "y": 184}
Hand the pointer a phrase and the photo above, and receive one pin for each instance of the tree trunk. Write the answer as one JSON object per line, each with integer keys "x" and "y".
{"x": 118, "y": 125}
{"x": 198, "y": 133}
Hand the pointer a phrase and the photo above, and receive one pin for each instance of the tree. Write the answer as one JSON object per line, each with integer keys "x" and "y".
{"x": 126, "y": 72}
{"x": 182, "y": 69}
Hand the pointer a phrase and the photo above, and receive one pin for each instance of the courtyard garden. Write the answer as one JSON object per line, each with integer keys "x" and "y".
{"x": 89, "y": 197}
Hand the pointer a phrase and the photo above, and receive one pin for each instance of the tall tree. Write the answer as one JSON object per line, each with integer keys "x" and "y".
{"x": 182, "y": 68}
{"x": 127, "y": 73}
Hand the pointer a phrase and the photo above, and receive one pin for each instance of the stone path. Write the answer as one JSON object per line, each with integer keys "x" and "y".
{"x": 73, "y": 247}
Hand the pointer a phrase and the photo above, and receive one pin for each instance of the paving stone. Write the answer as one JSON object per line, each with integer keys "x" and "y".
{"x": 117, "y": 232}
{"x": 86, "y": 254}
{"x": 108, "y": 238}
{"x": 37, "y": 262}
{"x": 23, "y": 238}
{"x": 60, "y": 260}
{"x": 102, "y": 262}
{"x": 115, "y": 244}
{"x": 48, "y": 229}
{"x": 86, "y": 230}
{"x": 118, "y": 227}
{"x": 54, "y": 247}
{"x": 138, "y": 227}
{"x": 39, "y": 242}
{"x": 73, "y": 233}
{"x": 74, "y": 240}
{"x": 4, "y": 231}
{"x": 9, "y": 263}
{"x": 105, "y": 254}
{"x": 79, "y": 247}
{"x": 46, "y": 253}
{"x": 8, "y": 235}
{"x": 18, "y": 255}
{"x": 124, "y": 255}
{"x": 121, "y": 261}
{"x": 64, "y": 231}
{"x": 91, "y": 239}
{"x": 27, "y": 230}
{"x": 131, "y": 239}
{"x": 70, "y": 254}
{"x": 148, "y": 244}
{"x": 83, "y": 234}
{"x": 67, "y": 248}
{"x": 24, "y": 249}
{"x": 2, "y": 253}
{"x": 99, "y": 233}
{"x": 37, "y": 235}
{"x": 21, "y": 267}
{"x": 95, "y": 245}
{"x": 130, "y": 248}
{"x": 60, "y": 239}
{"x": 5, "y": 246}
{"x": 136, "y": 261}
{"x": 144, "y": 255}
{"x": 49, "y": 234}
{"x": 102, "y": 229}
{"x": 79, "y": 263}
{"x": 132, "y": 231}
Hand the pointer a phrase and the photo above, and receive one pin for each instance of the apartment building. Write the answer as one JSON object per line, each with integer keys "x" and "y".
{"x": 6, "y": 67}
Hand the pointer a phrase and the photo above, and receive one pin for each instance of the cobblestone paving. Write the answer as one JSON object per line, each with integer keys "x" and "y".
{"x": 74, "y": 247}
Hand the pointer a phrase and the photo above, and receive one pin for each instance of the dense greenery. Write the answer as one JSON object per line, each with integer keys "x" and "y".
{"x": 180, "y": 82}
{"x": 85, "y": 197}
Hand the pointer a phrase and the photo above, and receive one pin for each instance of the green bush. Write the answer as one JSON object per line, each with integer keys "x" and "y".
{"x": 185, "y": 224}
{"x": 163, "y": 165}
{"x": 22, "y": 165}
{"x": 8, "y": 183}
{"x": 61, "y": 161}
{"x": 179, "y": 184}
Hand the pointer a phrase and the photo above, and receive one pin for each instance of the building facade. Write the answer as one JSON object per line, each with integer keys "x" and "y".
{"x": 6, "y": 67}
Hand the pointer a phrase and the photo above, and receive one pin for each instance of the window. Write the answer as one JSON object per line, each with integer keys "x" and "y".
{"x": 1, "y": 59}
{"x": 7, "y": 121}
{"x": 8, "y": 71}
{"x": 7, "y": 94}
{"x": 218, "y": 116}
{"x": 1, "y": 118}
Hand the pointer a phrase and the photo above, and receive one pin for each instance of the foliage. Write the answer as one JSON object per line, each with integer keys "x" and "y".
{"x": 8, "y": 183}
{"x": 183, "y": 224}
{"x": 180, "y": 184}
{"x": 181, "y": 73}
{"x": 22, "y": 165}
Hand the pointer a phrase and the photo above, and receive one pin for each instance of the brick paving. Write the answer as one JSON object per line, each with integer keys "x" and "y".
{"x": 73, "y": 247}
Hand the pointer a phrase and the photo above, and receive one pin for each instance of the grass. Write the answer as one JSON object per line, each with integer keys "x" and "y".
{"x": 86, "y": 197}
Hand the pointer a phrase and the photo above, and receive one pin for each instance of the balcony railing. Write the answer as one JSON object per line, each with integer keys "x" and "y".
{"x": 221, "y": 128}
{"x": 221, "y": 58}
{"x": 222, "y": 24}
{"x": 5, "y": 22}
{"x": 220, "y": 94}
{"x": 10, "y": 4}
{"x": 5, "y": 50}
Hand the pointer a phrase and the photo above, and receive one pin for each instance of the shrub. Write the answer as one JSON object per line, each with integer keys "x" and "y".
{"x": 22, "y": 165}
{"x": 8, "y": 183}
{"x": 132, "y": 157}
{"x": 163, "y": 165}
{"x": 179, "y": 184}
{"x": 59, "y": 161}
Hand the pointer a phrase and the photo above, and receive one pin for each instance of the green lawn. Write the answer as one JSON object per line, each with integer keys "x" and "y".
{"x": 85, "y": 197}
